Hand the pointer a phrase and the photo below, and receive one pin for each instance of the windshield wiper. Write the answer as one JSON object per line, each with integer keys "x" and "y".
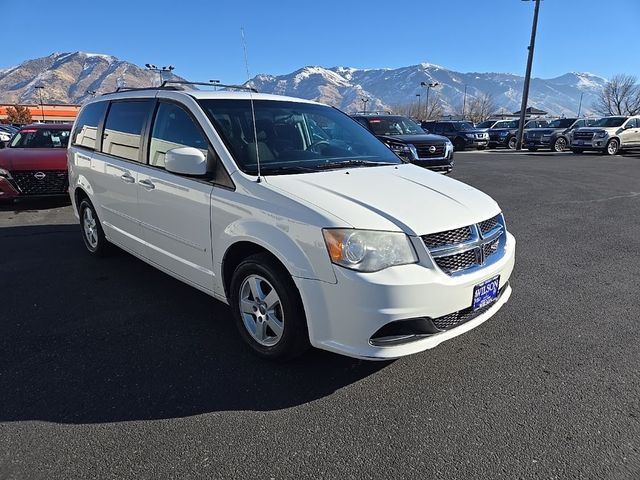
{"x": 287, "y": 169}
{"x": 351, "y": 163}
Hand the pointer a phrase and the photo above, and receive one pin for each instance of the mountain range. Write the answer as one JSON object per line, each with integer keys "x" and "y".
{"x": 71, "y": 77}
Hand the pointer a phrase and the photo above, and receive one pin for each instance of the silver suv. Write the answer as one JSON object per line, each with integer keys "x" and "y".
{"x": 608, "y": 135}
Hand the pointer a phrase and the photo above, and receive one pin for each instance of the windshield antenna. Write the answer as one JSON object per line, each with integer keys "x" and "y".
{"x": 253, "y": 111}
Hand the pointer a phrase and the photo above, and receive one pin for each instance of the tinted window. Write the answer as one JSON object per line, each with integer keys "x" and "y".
{"x": 394, "y": 126}
{"x": 633, "y": 123}
{"x": 174, "y": 128}
{"x": 40, "y": 138}
{"x": 86, "y": 127}
{"x": 123, "y": 128}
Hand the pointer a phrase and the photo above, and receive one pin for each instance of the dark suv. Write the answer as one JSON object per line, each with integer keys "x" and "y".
{"x": 461, "y": 134}
{"x": 409, "y": 141}
{"x": 504, "y": 132}
{"x": 556, "y": 136}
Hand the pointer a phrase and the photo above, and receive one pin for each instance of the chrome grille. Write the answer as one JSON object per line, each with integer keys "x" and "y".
{"x": 41, "y": 182}
{"x": 457, "y": 262}
{"x": 464, "y": 248}
{"x": 449, "y": 237}
{"x": 583, "y": 135}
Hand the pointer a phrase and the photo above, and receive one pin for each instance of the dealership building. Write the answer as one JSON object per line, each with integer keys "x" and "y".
{"x": 48, "y": 113}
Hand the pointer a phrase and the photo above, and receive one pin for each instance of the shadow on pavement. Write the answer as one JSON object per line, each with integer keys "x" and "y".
{"x": 85, "y": 340}
{"x": 34, "y": 204}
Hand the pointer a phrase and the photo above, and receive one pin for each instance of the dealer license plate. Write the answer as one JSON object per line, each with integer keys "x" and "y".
{"x": 486, "y": 292}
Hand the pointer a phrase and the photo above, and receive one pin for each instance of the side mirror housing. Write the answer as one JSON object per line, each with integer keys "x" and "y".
{"x": 185, "y": 161}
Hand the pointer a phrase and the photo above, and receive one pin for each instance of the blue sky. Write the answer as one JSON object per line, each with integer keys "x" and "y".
{"x": 202, "y": 38}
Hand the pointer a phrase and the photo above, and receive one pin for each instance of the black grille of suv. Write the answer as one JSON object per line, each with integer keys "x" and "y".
{"x": 423, "y": 150}
{"x": 43, "y": 182}
{"x": 447, "y": 322}
{"x": 459, "y": 249}
{"x": 450, "y": 237}
{"x": 583, "y": 135}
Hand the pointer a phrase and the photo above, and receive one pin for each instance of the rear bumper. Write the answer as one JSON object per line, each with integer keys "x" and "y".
{"x": 344, "y": 317}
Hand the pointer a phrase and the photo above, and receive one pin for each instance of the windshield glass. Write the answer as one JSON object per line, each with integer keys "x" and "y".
{"x": 486, "y": 124}
{"x": 561, "y": 123}
{"x": 507, "y": 124}
{"x": 40, "y": 138}
{"x": 610, "y": 122}
{"x": 395, "y": 126}
{"x": 463, "y": 126}
{"x": 293, "y": 137}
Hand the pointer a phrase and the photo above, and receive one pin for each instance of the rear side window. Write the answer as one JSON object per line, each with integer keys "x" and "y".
{"x": 86, "y": 128}
{"x": 123, "y": 129}
{"x": 174, "y": 128}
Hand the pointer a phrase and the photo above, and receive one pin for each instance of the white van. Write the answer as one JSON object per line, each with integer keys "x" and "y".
{"x": 310, "y": 228}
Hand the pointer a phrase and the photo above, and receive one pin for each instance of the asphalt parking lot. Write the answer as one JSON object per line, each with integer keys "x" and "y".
{"x": 111, "y": 369}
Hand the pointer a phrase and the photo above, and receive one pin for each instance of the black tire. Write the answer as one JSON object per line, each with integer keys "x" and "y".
{"x": 559, "y": 145}
{"x": 294, "y": 339}
{"x": 613, "y": 147}
{"x": 96, "y": 243}
{"x": 512, "y": 143}
{"x": 577, "y": 150}
{"x": 459, "y": 145}
{"x": 533, "y": 149}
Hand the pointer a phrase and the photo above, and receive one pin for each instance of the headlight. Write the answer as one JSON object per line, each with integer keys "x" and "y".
{"x": 448, "y": 146}
{"x": 400, "y": 149}
{"x": 368, "y": 250}
{"x": 469, "y": 135}
{"x": 600, "y": 135}
{"x": 4, "y": 173}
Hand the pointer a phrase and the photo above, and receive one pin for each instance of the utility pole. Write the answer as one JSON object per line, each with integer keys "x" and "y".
{"x": 40, "y": 88}
{"x": 429, "y": 86}
{"x": 580, "y": 105}
{"x": 527, "y": 77}
{"x": 364, "y": 104}
{"x": 419, "y": 96}
{"x": 464, "y": 102}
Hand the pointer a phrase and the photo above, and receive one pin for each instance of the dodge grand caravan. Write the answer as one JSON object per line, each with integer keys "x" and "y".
{"x": 310, "y": 228}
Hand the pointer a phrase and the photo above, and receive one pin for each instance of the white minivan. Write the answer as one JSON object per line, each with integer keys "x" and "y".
{"x": 309, "y": 227}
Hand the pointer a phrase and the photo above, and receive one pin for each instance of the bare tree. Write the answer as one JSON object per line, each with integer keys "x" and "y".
{"x": 478, "y": 108}
{"x": 620, "y": 96}
{"x": 431, "y": 111}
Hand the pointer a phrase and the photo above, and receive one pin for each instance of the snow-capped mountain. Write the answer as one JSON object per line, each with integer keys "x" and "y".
{"x": 345, "y": 87}
{"x": 67, "y": 77}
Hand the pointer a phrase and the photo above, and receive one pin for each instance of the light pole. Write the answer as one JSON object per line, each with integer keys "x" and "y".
{"x": 419, "y": 97}
{"x": 580, "y": 105}
{"x": 153, "y": 68}
{"x": 40, "y": 88}
{"x": 215, "y": 82}
{"x": 91, "y": 92}
{"x": 464, "y": 102}
{"x": 527, "y": 77}
{"x": 364, "y": 104}
{"x": 429, "y": 86}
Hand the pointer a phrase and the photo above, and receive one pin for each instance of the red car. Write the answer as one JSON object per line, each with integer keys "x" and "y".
{"x": 35, "y": 162}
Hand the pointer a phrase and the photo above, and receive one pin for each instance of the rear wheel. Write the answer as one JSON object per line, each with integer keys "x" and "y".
{"x": 559, "y": 145}
{"x": 511, "y": 143}
{"x": 613, "y": 147}
{"x": 268, "y": 309}
{"x": 92, "y": 233}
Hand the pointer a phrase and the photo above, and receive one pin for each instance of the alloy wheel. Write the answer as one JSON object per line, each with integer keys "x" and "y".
{"x": 261, "y": 310}
{"x": 560, "y": 145}
{"x": 90, "y": 228}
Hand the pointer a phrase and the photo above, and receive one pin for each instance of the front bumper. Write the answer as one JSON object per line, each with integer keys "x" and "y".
{"x": 499, "y": 141}
{"x": 593, "y": 144}
{"x": 476, "y": 142}
{"x": 7, "y": 190}
{"x": 343, "y": 317}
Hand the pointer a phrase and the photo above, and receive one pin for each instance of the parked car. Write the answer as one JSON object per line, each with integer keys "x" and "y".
{"x": 608, "y": 135}
{"x": 409, "y": 141}
{"x": 556, "y": 136}
{"x": 6, "y": 132}
{"x": 34, "y": 163}
{"x": 310, "y": 228}
{"x": 461, "y": 134}
{"x": 504, "y": 132}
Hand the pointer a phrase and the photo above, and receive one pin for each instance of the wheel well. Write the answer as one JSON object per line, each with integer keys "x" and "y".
{"x": 80, "y": 195}
{"x": 236, "y": 254}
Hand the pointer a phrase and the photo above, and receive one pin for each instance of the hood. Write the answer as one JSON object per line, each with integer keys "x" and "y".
{"x": 596, "y": 129}
{"x": 544, "y": 131}
{"x": 475, "y": 130}
{"x": 33, "y": 159}
{"x": 498, "y": 130}
{"x": 403, "y": 197}
{"x": 417, "y": 138}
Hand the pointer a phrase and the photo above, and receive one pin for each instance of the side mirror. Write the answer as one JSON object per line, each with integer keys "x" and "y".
{"x": 185, "y": 161}
{"x": 629, "y": 125}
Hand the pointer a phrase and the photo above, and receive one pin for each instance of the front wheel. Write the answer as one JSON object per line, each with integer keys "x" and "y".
{"x": 92, "y": 233}
{"x": 268, "y": 309}
{"x": 511, "y": 144}
{"x": 613, "y": 147}
{"x": 559, "y": 145}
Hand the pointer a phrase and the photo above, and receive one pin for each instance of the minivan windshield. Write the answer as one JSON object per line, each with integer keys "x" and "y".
{"x": 40, "y": 138}
{"x": 292, "y": 137}
{"x": 610, "y": 122}
{"x": 394, "y": 126}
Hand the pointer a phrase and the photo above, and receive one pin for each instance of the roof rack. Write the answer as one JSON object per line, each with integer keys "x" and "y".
{"x": 168, "y": 83}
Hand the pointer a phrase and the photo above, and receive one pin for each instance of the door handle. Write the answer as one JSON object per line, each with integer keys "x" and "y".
{"x": 127, "y": 178}
{"x": 147, "y": 184}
